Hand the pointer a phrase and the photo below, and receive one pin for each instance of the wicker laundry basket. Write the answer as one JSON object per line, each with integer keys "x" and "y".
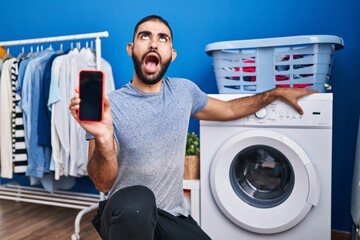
{"x": 192, "y": 167}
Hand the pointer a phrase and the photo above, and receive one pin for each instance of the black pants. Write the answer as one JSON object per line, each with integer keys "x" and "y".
{"x": 131, "y": 214}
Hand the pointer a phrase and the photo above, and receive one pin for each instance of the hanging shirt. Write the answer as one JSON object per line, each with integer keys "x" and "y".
{"x": 1, "y": 65}
{"x": 21, "y": 73}
{"x": 18, "y": 135}
{"x": 5, "y": 120}
{"x": 79, "y": 147}
{"x": 44, "y": 114}
{"x": 58, "y": 103}
{"x": 38, "y": 156}
{"x": 69, "y": 149}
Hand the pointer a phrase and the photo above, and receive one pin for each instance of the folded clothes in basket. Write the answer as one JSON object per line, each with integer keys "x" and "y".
{"x": 282, "y": 77}
{"x": 283, "y": 68}
{"x": 250, "y": 69}
{"x": 302, "y": 85}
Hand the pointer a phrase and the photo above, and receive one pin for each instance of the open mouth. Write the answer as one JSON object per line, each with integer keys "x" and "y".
{"x": 151, "y": 61}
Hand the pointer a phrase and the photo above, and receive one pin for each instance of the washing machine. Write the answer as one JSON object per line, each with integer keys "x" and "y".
{"x": 268, "y": 176}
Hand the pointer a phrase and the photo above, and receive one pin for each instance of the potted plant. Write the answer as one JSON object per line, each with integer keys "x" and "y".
{"x": 192, "y": 157}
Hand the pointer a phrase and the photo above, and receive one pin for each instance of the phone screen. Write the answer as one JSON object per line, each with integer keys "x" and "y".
{"x": 91, "y": 95}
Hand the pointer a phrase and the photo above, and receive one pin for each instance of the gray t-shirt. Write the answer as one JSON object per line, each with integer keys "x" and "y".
{"x": 150, "y": 130}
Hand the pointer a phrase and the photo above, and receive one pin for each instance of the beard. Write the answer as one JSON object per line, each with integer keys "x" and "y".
{"x": 153, "y": 78}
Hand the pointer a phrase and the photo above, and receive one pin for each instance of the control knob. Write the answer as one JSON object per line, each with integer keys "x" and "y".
{"x": 261, "y": 113}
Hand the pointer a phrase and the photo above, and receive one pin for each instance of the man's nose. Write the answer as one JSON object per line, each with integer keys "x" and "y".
{"x": 153, "y": 44}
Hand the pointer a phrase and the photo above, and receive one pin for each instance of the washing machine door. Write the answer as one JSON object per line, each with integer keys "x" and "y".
{"x": 263, "y": 181}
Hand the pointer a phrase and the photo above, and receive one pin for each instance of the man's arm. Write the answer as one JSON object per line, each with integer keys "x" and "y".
{"x": 218, "y": 110}
{"x": 102, "y": 164}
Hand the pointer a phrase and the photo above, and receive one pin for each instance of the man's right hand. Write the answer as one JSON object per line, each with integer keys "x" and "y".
{"x": 98, "y": 129}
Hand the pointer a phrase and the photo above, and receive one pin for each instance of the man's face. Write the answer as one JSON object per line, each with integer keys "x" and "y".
{"x": 152, "y": 51}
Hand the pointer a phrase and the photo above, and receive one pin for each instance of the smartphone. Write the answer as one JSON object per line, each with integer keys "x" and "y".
{"x": 91, "y": 92}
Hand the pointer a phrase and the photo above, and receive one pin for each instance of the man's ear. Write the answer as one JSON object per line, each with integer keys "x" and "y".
{"x": 173, "y": 55}
{"x": 129, "y": 49}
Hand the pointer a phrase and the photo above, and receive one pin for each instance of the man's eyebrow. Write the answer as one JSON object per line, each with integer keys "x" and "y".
{"x": 143, "y": 32}
{"x": 149, "y": 33}
{"x": 165, "y": 35}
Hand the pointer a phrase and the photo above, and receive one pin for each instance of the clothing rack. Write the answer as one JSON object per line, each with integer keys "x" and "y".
{"x": 96, "y": 35}
{"x": 83, "y": 201}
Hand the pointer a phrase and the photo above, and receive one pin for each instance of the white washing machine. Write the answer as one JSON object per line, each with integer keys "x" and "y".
{"x": 268, "y": 176}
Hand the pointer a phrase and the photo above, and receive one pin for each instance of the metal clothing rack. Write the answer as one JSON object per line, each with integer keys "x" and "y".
{"x": 83, "y": 201}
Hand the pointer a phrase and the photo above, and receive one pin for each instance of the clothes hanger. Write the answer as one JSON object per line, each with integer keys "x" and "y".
{"x": 7, "y": 56}
{"x": 21, "y": 55}
{"x": 92, "y": 47}
{"x": 31, "y": 53}
{"x": 60, "y": 51}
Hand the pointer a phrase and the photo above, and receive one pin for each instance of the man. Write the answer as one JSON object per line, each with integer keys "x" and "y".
{"x": 136, "y": 153}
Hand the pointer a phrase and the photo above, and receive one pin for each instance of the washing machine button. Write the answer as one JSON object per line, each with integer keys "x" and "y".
{"x": 261, "y": 113}
{"x": 272, "y": 114}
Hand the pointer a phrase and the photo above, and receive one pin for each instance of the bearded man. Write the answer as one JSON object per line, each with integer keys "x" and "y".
{"x": 136, "y": 154}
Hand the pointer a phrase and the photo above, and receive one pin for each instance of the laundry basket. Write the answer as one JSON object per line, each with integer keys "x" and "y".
{"x": 252, "y": 66}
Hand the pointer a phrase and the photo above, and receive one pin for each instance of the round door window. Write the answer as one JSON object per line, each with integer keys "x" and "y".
{"x": 262, "y": 176}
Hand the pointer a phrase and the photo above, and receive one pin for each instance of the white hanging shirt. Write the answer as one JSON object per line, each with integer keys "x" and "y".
{"x": 6, "y": 120}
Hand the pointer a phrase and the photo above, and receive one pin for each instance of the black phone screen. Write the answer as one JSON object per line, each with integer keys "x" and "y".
{"x": 91, "y": 95}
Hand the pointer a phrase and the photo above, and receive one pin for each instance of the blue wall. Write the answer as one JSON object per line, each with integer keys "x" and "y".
{"x": 197, "y": 23}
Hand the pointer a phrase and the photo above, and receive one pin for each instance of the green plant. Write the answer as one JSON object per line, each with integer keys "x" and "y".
{"x": 192, "y": 144}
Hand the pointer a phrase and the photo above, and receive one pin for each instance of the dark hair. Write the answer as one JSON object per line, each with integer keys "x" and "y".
{"x": 152, "y": 18}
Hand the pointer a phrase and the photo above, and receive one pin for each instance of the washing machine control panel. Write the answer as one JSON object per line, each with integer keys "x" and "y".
{"x": 317, "y": 113}
{"x": 274, "y": 112}
{"x": 280, "y": 113}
